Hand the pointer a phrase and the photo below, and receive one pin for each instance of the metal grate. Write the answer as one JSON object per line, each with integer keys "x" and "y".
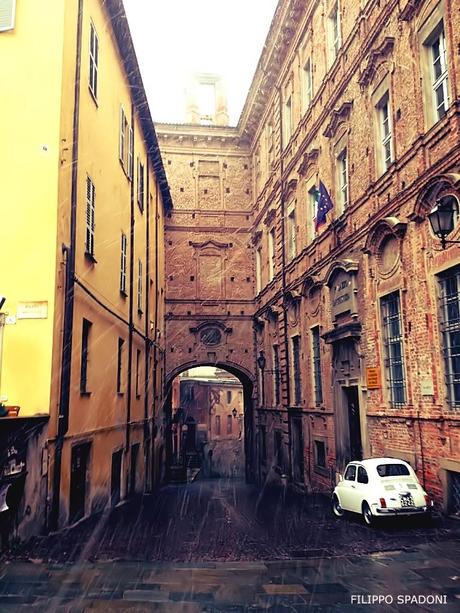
{"x": 454, "y": 494}
{"x": 393, "y": 338}
{"x": 450, "y": 327}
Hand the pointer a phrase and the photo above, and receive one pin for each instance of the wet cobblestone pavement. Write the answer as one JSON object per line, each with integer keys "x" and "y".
{"x": 220, "y": 545}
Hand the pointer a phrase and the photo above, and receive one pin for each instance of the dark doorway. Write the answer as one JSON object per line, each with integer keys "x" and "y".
{"x": 278, "y": 445}
{"x": 133, "y": 468}
{"x": 354, "y": 424}
{"x": 78, "y": 478}
{"x": 115, "y": 482}
{"x": 297, "y": 450}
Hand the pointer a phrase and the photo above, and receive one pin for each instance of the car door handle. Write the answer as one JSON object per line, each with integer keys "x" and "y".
{"x": 353, "y": 486}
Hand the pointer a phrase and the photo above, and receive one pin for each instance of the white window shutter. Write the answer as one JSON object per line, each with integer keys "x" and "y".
{"x": 122, "y": 136}
{"x": 131, "y": 154}
{"x": 7, "y": 14}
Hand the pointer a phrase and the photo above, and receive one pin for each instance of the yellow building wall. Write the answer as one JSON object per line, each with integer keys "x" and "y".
{"x": 31, "y": 59}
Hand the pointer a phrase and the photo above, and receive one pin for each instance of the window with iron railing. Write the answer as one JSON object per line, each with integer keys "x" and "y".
{"x": 394, "y": 348}
{"x": 449, "y": 297}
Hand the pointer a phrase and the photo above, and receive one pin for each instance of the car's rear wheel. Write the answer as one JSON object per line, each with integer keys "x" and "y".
{"x": 336, "y": 508}
{"x": 369, "y": 519}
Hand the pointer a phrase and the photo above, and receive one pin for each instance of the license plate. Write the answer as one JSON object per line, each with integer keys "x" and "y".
{"x": 406, "y": 500}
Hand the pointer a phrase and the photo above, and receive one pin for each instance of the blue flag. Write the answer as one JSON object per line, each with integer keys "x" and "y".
{"x": 323, "y": 205}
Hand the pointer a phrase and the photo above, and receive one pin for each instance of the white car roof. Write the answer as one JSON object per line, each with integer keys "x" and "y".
{"x": 373, "y": 462}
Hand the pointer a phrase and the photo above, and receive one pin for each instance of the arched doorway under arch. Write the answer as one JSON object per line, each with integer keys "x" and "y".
{"x": 178, "y": 441}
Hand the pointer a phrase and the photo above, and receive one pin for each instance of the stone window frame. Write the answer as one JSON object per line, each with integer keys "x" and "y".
{"x": 334, "y": 44}
{"x": 383, "y": 93}
{"x": 271, "y": 240}
{"x": 310, "y": 190}
{"x": 258, "y": 269}
{"x": 288, "y": 103}
{"x": 318, "y": 398}
{"x": 292, "y": 239}
{"x": 340, "y": 147}
{"x": 426, "y": 33}
{"x": 321, "y": 470}
{"x": 384, "y": 356}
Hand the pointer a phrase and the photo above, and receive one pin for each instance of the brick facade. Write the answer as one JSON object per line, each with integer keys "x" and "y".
{"x": 347, "y": 315}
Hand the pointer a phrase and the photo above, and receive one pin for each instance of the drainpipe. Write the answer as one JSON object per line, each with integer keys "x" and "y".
{"x": 69, "y": 296}
{"x": 155, "y": 323}
{"x": 131, "y": 300}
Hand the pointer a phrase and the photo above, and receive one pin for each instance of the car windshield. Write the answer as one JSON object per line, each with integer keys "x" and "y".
{"x": 392, "y": 470}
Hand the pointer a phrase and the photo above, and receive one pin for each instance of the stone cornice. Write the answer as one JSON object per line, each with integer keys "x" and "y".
{"x": 375, "y": 59}
{"x": 338, "y": 116}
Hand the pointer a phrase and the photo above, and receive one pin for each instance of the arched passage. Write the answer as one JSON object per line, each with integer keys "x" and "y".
{"x": 247, "y": 384}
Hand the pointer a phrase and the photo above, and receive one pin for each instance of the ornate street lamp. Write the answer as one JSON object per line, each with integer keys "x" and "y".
{"x": 442, "y": 218}
{"x": 234, "y": 413}
{"x": 261, "y": 362}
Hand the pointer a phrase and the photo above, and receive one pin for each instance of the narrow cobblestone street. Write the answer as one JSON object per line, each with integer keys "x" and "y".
{"x": 220, "y": 545}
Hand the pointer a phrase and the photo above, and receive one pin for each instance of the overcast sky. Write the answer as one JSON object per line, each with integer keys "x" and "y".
{"x": 176, "y": 37}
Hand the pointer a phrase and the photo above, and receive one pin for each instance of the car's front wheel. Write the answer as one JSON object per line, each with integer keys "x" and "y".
{"x": 369, "y": 519}
{"x": 336, "y": 508}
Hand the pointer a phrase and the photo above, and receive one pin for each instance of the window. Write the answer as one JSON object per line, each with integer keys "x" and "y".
{"x": 316, "y": 358}
{"x": 320, "y": 454}
{"x": 218, "y": 425}
{"x": 350, "y": 473}
{"x": 296, "y": 369}
{"x": 139, "y": 287}
{"x": 138, "y": 366}
{"x": 229, "y": 424}
{"x": 271, "y": 254}
{"x": 7, "y": 14}
{"x": 307, "y": 84}
{"x": 229, "y": 396}
{"x": 93, "y": 60}
{"x": 123, "y": 255}
{"x": 270, "y": 143}
{"x": 140, "y": 185}
{"x": 276, "y": 375}
{"x": 126, "y": 145}
{"x": 385, "y": 155}
{"x": 334, "y": 32}
{"x": 311, "y": 213}
{"x": 342, "y": 166}
{"x": 393, "y": 342}
{"x": 258, "y": 270}
{"x": 85, "y": 336}
{"x": 450, "y": 328}
{"x": 287, "y": 121}
{"x": 439, "y": 73}
{"x": 292, "y": 234}
{"x": 90, "y": 213}
{"x": 392, "y": 470}
{"x": 120, "y": 366}
{"x": 362, "y": 475}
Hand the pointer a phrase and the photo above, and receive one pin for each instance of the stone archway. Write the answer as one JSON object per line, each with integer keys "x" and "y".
{"x": 247, "y": 384}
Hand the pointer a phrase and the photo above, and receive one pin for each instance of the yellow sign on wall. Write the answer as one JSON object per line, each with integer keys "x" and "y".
{"x": 32, "y": 310}
{"x": 373, "y": 378}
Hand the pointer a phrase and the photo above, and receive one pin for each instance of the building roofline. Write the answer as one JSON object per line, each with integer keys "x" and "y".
{"x": 120, "y": 28}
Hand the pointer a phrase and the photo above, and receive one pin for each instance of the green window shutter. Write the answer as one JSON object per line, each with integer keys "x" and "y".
{"x": 7, "y": 14}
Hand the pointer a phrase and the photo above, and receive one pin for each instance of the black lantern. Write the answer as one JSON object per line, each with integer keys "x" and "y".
{"x": 261, "y": 361}
{"x": 234, "y": 413}
{"x": 442, "y": 218}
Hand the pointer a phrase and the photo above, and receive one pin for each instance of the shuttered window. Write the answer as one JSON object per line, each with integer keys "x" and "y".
{"x": 123, "y": 256}
{"x": 93, "y": 60}
{"x": 90, "y": 224}
{"x": 140, "y": 184}
{"x": 7, "y": 14}
{"x": 126, "y": 145}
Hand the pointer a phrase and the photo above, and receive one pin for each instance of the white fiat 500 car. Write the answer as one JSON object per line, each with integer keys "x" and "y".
{"x": 380, "y": 487}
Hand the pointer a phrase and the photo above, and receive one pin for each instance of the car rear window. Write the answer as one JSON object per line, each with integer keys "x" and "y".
{"x": 392, "y": 470}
